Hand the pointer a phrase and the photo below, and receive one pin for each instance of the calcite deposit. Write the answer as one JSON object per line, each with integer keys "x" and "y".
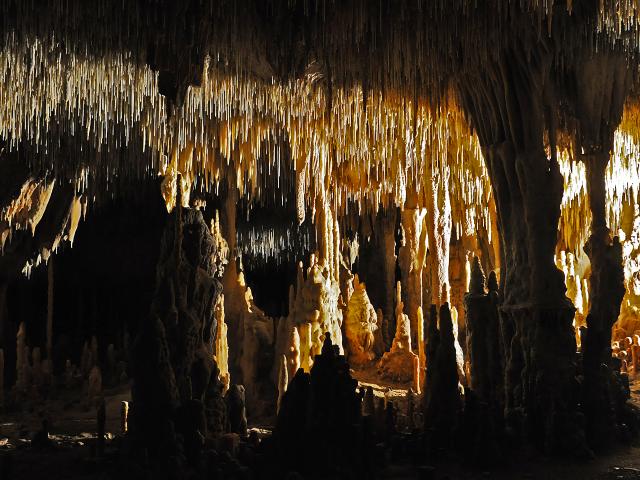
{"x": 259, "y": 230}
{"x": 400, "y": 363}
{"x": 361, "y": 326}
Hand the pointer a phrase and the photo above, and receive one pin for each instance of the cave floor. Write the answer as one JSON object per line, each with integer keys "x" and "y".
{"x": 72, "y": 432}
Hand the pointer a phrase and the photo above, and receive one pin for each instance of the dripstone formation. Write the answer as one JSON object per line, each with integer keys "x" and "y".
{"x": 175, "y": 379}
{"x": 249, "y": 238}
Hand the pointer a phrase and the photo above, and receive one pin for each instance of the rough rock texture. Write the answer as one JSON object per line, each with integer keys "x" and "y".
{"x": 442, "y": 398}
{"x": 255, "y": 351}
{"x": 602, "y": 83}
{"x": 174, "y": 371}
{"x": 388, "y": 240}
{"x": 318, "y": 429}
{"x": 313, "y": 311}
{"x": 400, "y": 363}
{"x": 439, "y": 226}
{"x": 628, "y": 323}
{"x": 222, "y": 345}
{"x": 485, "y": 350}
{"x": 411, "y": 258}
{"x": 507, "y": 101}
{"x": 236, "y": 412}
{"x": 361, "y": 326}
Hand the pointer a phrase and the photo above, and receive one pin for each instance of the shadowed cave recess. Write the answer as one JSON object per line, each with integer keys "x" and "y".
{"x": 318, "y": 239}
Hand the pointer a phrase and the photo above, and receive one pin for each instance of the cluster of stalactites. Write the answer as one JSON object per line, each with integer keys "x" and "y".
{"x": 371, "y": 145}
{"x": 370, "y": 139}
{"x": 25, "y": 210}
{"x": 622, "y": 182}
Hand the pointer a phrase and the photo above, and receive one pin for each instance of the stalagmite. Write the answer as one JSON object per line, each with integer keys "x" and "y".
{"x": 421, "y": 352}
{"x": 171, "y": 378}
{"x": 456, "y": 343}
{"x": 293, "y": 353}
{"x": 601, "y": 76}
{"x": 484, "y": 348}
{"x": 315, "y": 306}
{"x": 411, "y": 258}
{"x": 124, "y": 417}
{"x": 283, "y": 380}
{"x": 221, "y": 345}
{"x": 506, "y": 131}
{"x": 527, "y": 184}
{"x": 399, "y": 363}
{"x": 305, "y": 347}
{"x": 360, "y": 326}
{"x": 442, "y": 400}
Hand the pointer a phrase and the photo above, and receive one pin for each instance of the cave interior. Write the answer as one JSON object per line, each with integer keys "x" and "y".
{"x": 263, "y": 239}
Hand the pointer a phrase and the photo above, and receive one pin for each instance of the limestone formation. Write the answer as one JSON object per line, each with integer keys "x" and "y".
{"x": 361, "y": 325}
{"x": 484, "y": 347}
{"x": 221, "y": 345}
{"x": 168, "y": 375}
{"x": 124, "y": 417}
{"x": 316, "y": 309}
{"x": 398, "y": 364}
{"x": 442, "y": 399}
{"x": 237, "y": 415}
{"x": 293, "y": 353}
{"x": 430, "y": 131}
{"x": 319, "y": 416}
{"x": 283, "y": 381}
{"x": 411, "y": 258}
{"x": 422, "y": 359}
